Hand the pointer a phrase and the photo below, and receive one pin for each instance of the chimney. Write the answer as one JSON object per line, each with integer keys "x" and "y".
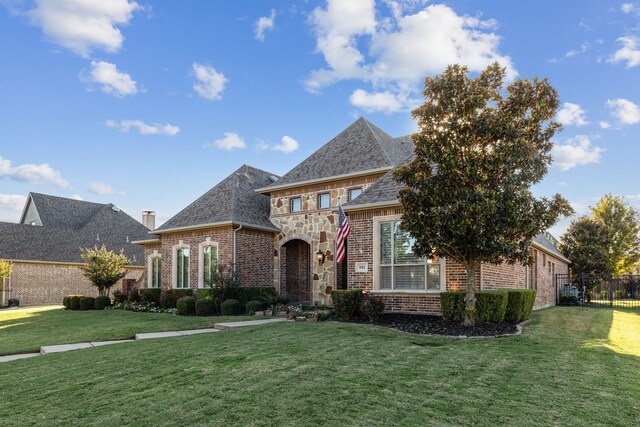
{"x": 149, "y": 219}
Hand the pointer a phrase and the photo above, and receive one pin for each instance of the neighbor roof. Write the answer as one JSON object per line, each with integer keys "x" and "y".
{"x": 232, "y": 201}
{"x": 359, "y": 148}
{"x": 69, "y": 225}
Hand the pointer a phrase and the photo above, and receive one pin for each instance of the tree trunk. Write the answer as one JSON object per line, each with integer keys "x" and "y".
{"x": 470, "y": 297}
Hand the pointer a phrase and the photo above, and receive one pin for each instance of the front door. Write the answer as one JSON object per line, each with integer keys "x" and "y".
{"x": 297, "y": 271}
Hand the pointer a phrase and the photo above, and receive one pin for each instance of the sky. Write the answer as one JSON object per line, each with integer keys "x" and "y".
{"x": 147, "y": 105}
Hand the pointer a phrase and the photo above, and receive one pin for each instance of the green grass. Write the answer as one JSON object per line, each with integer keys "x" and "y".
{"x": 572, "y": 367}
{"x": 24, "y": 331}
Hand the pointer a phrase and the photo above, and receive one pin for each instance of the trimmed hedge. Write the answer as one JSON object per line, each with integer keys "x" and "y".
{"x": 452, "y": 306}
{"x": 205, "y": 307}
{"x": 74, "y": 302}
{"x": 150, "y": 295}
{"x": 87, "y": 303}
{"x": 347, "y": 302}
{"x": 253, "y": 306}
{"x": 230, "y": 307}
{"x": 258, "y": 293}
{"x": 186, "y": 306}
{"x": 491, "y": 306}
{"x": 169, "y": 298}
{"x": 66, "y": 301}
{"x": 519, "y": 305}
{"x": 203, "y": 293}
{"x": 133, "y": 295}
{"x": 102, "y": 302}
{"x": 373, "y": 307}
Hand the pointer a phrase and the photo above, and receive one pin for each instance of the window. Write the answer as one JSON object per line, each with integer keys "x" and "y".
{"x": 182, "y": 267}
{"x": 296, "y": 204}
{"x": 354, "y": 192}
{"x": 324, "y": 201}
{"x": 155, "y": 271}
{"x": 208, "y": 263}
{"x": 399, "y": 268}
{"x": 544, "y": 260}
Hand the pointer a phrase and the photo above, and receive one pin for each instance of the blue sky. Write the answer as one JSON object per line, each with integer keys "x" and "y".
{"x": 149, "y": 104}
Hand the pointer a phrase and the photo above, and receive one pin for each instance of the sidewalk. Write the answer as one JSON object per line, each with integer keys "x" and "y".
{"x": 217, "y": 327}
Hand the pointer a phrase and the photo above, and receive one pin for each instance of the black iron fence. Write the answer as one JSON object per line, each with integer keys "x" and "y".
{"x": 598, "y": 291}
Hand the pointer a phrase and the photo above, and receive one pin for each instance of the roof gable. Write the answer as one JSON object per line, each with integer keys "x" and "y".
{"x": 234, "y": 200}
{"x": 60, "y": 212}
{"x": 360, "y": 147}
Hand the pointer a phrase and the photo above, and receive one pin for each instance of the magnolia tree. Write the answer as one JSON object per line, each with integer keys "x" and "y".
{"x": 586, "y": 244}
{"x": 104, "y": 268}
{"x": 478, "y": 151}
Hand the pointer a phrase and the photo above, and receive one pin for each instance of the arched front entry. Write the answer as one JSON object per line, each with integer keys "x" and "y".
{"x": 295, "y": 268}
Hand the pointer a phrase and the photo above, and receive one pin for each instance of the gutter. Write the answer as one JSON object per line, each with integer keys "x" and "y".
{"x": 235, "y": 246}
{"x": 367, "y": 206}
{"x": 144, "y": 242}
{"x": 215, "y": 224}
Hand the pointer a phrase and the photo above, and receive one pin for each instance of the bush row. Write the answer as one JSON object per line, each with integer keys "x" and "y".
{"x": 504, "y": 306}
{"x": 81, "y": 302}
{"x": 352, "y": 302}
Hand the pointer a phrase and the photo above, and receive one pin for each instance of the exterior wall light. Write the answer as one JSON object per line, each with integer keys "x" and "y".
{"x": 320, "y": 257}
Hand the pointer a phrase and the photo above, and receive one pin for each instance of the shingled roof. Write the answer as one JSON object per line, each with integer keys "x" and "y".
{"x": 359, "y": 148}
{"x": 67, "y": 226}
{"x": 232, "y": 201}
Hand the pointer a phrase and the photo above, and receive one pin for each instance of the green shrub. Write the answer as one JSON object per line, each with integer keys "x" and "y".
{"x": 183, "y": 292}
{"x": 619, "y": 294}
{"x": 168, "y": 299}
{"x": 186, "y": 306}
{"x": 373, "y": 307}
{"x": 205, "y": 307}
{"x": 74, "y": 302}
{"x": 87, "y": 303}
{"x": 133, "y": 295}
{"x": 102, "y": 302}
{"x": 119, "y": 296}
{"x": 149, "y": 295}
{"x": 519, "y": 305}
{"x": 490, "y": 306}
{"x": 567, "y": 300}
{"x": 230, "y": 307}
{"x": 244, "y": 295}
{"x": 66, "y": 301}
{"x": 253, "y": 306}
{"x": 452, "y": 306}
{"x": 347, "y": 302}
{"x": 203, "y": 293}
{"x": 604, "y": 294}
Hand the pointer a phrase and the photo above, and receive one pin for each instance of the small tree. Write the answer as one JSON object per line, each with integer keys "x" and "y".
{"x": 477, "y": 153}
{"x": 224, "y": 279}
{"x": 6, "y": 268}
{"x": 586, "y": 244}
{"x": 622, "y": 225}
{"x": 103, "y": 267}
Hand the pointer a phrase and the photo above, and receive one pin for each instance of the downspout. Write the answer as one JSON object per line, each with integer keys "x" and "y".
{"x": 235, "y": 248}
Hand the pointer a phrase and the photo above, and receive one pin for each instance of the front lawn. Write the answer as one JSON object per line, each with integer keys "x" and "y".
{"x": 572, "y": 367}
{"x": 23, "y": 331}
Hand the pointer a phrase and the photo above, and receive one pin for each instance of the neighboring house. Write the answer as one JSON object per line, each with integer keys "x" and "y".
{"x": 44, "y": 246}
{"x": 281, "y": 231}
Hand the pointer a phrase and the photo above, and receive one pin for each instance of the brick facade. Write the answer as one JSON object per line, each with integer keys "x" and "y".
{"x": 48, "y": 283}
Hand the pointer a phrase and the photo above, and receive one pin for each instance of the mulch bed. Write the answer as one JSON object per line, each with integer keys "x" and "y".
{"x": 435, "y": 325}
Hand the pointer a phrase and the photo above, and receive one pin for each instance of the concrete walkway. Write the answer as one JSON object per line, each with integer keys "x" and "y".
{"x": 217, "y": 327}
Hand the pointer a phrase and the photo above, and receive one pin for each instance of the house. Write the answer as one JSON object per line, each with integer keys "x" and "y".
{"x": 44, "y": 247}
{"x": 280, "y": 231}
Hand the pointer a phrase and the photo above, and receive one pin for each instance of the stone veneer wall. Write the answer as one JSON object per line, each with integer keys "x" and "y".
{"x": 254, "y": 254}
{"x": 48, "y": 283}
{"x": 318, "y": 227}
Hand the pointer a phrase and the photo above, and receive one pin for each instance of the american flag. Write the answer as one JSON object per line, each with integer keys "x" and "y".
{"x": 343, "y": 233}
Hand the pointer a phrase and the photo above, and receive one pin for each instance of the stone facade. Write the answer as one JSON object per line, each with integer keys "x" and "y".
{"x": 48, "y": 283}
{"x": 317, "y": 227}
{"x": 253, "y": 257}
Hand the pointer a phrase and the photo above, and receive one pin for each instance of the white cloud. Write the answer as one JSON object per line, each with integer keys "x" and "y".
{"x": 210, "y": 83}
{"x": 10, "y": 206}
{"x": 393, "y": 54}
{"x": 627, "y": 7}
{"x": 231, "y": 141}
{"x": 83, "y": 25}
{"x": 625, "y": 111}
{"x": 32, "y": 173}
{"x": 572, "y": 114}
{"x": 264, "y": 24}
{"x": 287, "y": 145}
{"x": 604, "y": 124}
{"x": 77, "y": 197}
{"x": 578, "y": 151}
{"x": 102, "y": 189}
{"x": 629, "y": 52}
{"x": 113, "y": 81}
{"x": 144, "y": 128}
{"x": 584, "y": 47}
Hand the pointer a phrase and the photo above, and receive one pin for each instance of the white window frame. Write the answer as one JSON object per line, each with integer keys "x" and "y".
{"x": 174, "y": 266}
{"x": 291, "y": 204}
{"x": 150, "y": 260}
{"x": 320, "y": 196}
{"x": 354, "y": 189}
{"x": 376, "y": 263}
{"x": 208, "y": 243}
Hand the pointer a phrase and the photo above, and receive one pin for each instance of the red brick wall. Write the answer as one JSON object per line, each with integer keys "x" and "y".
{"x": 255, "y": 257}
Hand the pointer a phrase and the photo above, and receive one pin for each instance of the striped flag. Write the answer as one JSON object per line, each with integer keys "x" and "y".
{"x": 343, "y": 233}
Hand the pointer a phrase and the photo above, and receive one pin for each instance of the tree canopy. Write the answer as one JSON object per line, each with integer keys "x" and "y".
{"x": 103, "y": 267}
{"x": 586, "y": 244}
{"x": 5, "y": 269}
{"x": 477, "y": 153}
